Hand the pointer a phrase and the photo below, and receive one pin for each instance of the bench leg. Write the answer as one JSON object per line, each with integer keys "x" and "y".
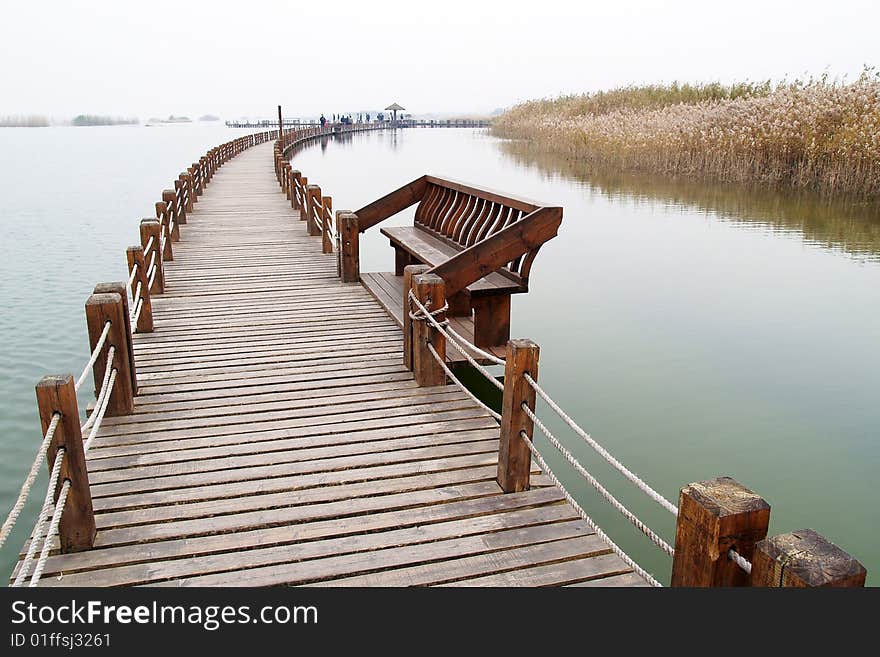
{"x": 402, "y": 258}
{"x": 459, "y": 305}
{"x": 491, "y": 321}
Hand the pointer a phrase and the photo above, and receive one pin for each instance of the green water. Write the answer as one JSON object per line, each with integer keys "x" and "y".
{"x": 694, "y": 330}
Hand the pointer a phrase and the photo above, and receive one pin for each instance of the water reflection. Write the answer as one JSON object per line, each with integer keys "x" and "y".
{"x": 849, "y": 226}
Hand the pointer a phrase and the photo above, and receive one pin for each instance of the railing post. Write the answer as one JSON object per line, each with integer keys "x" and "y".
{"x": 326, "y": 227}
{"x": 196, "y": 181}
{"x": 430, "y": 290}
{"x": 804, "y": 559}
{"x": 714, "y": 517}
{"x": 514, "y": 457}
{"x": 179, "y": 199}
{"x": 150, "y": 228}
{"x": 135, "y": 256}
{"x": 187, "y": 179}
{"x": 408, "y": 273}
{"x": 314, "y": 195}
{"x": 101, "y": 308}
{"x": 349, "y": 254}
{"x": 165, "y": 214}
{"x": 56, "y": 394}
{"x": 304, "y": 198}
{"x": 119, "y": 288}
{"x": 169, "y": 198}
{"x": 294, "y": 188}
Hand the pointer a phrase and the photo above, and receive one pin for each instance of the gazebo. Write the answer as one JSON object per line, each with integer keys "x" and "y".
{"x": 394, "y": 107}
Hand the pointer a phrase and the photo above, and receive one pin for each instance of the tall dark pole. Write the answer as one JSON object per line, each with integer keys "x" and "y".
{"x": 279, "y": 122}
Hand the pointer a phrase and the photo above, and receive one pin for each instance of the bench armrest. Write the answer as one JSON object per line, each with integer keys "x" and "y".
{"x": 391, "y": 204}
{"x": 490, "y": 254}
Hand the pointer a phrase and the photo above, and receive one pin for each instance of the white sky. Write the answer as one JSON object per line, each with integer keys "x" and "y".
{"x": 155, "y": 57}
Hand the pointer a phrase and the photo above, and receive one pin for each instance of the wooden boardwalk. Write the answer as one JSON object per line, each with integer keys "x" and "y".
{"x": 277, "y": 438}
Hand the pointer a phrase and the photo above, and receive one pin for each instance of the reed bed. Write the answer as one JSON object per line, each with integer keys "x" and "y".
{"x": 818, "y": 135}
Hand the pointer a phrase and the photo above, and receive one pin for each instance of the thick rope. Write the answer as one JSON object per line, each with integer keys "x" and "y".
{"x": 455, "y": 380}
{"x": 152, "y": 261}
{"x": 151, "y": 278}
{"x": 485, "y": 354}
{"x": 103, "y": 391}
{"x": 25, "y": 491}
{"x": 53, "y": 529}
{"x": 622, "y": 469}
{"x": 149, "y": 244}
{"x": 136, "y": 296}
{"x": 93, "y": 357}
{"x": 443, "y": 327}
{"x": 604, "y": 492}
{"x": 740, "y": 560}
{"x": 37, "y": 532}
{"x": 98, "y": 414}
{"x": 583, "y": 514}
{"x": 132, "y": 275}
{"x": 137, "y": 313}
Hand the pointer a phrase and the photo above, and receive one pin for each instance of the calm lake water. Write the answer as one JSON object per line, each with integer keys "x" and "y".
{"x": 694, "y": 330}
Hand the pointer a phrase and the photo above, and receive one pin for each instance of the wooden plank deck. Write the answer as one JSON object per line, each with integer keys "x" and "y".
{"x": 278, "y": 440}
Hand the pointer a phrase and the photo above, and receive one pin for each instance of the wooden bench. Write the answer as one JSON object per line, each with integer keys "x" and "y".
{"x": 482, "y": 244}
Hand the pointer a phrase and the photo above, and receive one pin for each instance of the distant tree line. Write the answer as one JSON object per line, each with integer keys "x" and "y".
{"x": 24, "y": 121}
{"x": 94, "y": 119}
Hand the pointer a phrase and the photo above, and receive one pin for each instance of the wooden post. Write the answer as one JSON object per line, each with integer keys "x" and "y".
{"x": 56, "y": 394}
{"x": 150, "y": 228}
{"x": 491, "y": 320}
{"x": 294, "y": 182}
{"x": 187, "y": 179}
{"x": 304, "y": 201}
{"x": 165, "y": 213}
{"x": 804, "y": 559}
{"x": 280, "y": 123}
{"x": 196, "y": 181}
{"x": 169, "y": 198}
{"x": 349, "y": 256}
{"x": 430, "y": 290}
{"x": 119, "y": 288}
{"x": 326, "y": 228}
{"x": 165, "y": 230}
{"x": 135, "y": 256}
{"x": 713, "y": 517}
{"x": 514, "y": 457}
{"x": 205, "y": 174}
{"x": 314, "y": 196}
{"x": 101, "y": 308}
{"x": 408, "y": 273}
{"x": 179, "y": 194}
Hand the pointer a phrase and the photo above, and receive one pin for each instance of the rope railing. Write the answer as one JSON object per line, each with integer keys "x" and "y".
{"x": 25, "y": 491}
{"x": 463, "y": 387}
{"x": 617, "y": 465}
{"x": 94, "y": 356}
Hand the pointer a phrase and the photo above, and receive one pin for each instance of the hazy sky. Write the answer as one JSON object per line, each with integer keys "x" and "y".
{"x": 154, "y": 58}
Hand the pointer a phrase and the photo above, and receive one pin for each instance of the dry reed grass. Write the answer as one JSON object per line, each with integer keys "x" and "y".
{"x": 817, "y": 135}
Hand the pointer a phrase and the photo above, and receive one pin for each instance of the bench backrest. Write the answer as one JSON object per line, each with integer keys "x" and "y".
{"x": 494, "y": 231}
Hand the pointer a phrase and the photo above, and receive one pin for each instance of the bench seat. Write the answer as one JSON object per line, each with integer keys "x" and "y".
{"x": 431, "y": 250}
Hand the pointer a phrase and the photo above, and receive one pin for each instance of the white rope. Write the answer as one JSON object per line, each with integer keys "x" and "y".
{"x": 132, "y": 276}
{"x": 485, "y": 354}
{"x": 137, "y": 313}
{"x": 94, "y": 356}
{"x": 622, "y": 469}
{"x": 455, "y": 380}
{"x": 37, "y": 532}
{"x": 583, "y": 514}
{"x": 424, "y": 313}
{"x": 604, "y": 492}
{"x": 152, "y": 260}
{"x": 53, "y": 529}
{"x": 99, "y": 412}
{"x": 151, "y": 278}
{"x": 103, "y": 391}
{"x": 136, "y": 296}
{"x": 740, "y": 560}
{"x": 149, "y": 244}
{"x": 25, "y": 491}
